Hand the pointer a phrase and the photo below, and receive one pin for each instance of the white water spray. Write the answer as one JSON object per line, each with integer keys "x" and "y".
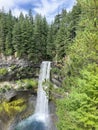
{"x": 40, "y": 119}
{"x": 41, "y": 110}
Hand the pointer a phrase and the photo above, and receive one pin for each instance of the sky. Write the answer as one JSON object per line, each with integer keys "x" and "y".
{"x": 48, "y": 8}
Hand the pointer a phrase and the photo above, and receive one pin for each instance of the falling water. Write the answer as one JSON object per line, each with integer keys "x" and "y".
{"x": 40, "y": 119}
{"x": 42, "y": 100}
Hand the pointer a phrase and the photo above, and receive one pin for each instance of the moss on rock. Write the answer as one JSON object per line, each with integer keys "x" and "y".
{"x": 12, "y": 108}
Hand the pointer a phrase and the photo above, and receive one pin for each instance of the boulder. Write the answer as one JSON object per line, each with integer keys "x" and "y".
{"x": 9, "y": 95}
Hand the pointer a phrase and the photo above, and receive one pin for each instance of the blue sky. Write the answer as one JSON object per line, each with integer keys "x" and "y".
{"x": 48, "y": 8}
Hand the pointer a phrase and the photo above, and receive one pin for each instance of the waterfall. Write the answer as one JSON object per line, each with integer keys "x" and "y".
{"x": 40, "y": 119}
{"x": 41, "y": 109}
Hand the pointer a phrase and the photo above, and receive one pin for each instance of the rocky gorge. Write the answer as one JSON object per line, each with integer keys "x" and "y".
{"x": 18, "y": 89}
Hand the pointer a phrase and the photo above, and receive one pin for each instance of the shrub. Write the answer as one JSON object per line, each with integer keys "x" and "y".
{"x": 27, "y": 83}
{"x": 14, "y": 107}
{"x": 3, "y": 71}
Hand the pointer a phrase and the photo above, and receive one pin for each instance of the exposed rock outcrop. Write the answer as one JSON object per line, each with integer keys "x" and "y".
{"x": 12, "y": 68}
{"x": 8, "y": 122}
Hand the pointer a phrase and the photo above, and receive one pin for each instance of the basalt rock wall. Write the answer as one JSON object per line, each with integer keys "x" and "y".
{"x": 12, "y": 68}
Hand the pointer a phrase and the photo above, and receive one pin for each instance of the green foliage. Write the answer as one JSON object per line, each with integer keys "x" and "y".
{"x": 27, "y": 84}
{"x": 51, "y": 47}
{"x": 30, "y": 83}
{"x": 78, "y": 111}
{"x": 24, "y": 36}
{"x": 72, "y": 41}
{"x": 3, "y": 71}
{"x": 12, "y": 108}
{"x": 55, "y": 70}
{"x": 81, "y": 105}
{"x": 5, "y": 88}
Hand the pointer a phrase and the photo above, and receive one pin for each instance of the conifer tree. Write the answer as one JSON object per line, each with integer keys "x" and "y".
{"x": 3, "y": 32}
{"x": 51, "y": 47}
{"x": 8, "y": 43}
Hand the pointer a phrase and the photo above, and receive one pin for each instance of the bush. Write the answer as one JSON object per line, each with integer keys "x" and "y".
{"x": 5, "y": 88}
{"x": 3, "y": 71}
{"x": 27, "y": 83}
{"x": 12, "y": 108}
{"x": 2, "y": 90}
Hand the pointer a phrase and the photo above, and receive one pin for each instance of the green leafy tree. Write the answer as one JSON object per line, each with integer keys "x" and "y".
{"x": 79, "y": 109}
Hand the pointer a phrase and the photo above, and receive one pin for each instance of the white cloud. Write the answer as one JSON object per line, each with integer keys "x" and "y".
{"x": 52, "y": 7}
{"x": 23, "y": 1}
{"x": 49, "y": 8}
{"x": 16, "y": 12}
{"x": 6, "y": 5}
{"x": 13, "y": 5}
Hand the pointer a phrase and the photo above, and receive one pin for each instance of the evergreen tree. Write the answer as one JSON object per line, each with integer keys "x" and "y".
{"x": 3, "y": 31}
{"x": 79, "y": 110}
{"x": 37, "y": 37}
{"x": 30, "y": 16}
{"x": 60, "y": 42}
{"x": 40, "y": 37}
{"x": 17, "y": 38}
{"x": 8, "y": 43}
{"x": 51, "y": 47}
{"x": 44, "y": 38}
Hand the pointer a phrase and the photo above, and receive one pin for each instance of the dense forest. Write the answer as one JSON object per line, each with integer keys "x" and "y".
{"x": 71, "y": 41}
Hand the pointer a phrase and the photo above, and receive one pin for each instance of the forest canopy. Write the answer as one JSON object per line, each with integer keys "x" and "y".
{"x": 72, "y": 41}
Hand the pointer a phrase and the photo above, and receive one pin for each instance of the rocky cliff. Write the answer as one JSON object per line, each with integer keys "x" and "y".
{"x": 12, "y": 68}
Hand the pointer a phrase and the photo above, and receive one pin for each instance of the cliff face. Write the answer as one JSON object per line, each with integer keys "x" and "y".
{"x": 12, "y": 68}
{"x": 17, "y": 105}
{"x": 11, "y": 116}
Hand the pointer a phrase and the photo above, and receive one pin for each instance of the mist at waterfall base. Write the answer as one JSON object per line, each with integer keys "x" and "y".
{"x": 40, "y": 120}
